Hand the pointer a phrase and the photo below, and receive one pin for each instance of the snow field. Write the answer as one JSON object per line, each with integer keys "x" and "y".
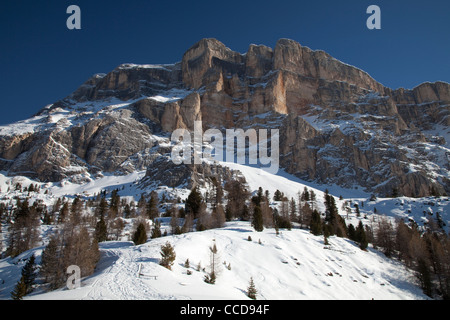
{"x": 294, "y": 265}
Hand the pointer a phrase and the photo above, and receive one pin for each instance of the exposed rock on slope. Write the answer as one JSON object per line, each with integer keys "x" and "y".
{"x": 337, "y": 124}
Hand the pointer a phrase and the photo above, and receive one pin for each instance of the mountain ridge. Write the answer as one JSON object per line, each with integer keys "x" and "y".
{"x": 354, "y": 130}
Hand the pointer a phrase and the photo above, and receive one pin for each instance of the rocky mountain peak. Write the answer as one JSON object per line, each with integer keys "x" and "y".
{"x": 337, "y": 124}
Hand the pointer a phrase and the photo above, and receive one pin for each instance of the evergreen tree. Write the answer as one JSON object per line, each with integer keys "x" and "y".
{"x": 361, "y": 237}
{"x": 245, "y": 213}
{"x": 251, "y": 290}
{"x": 25, "y": 285}
{"x": 278, "y": 196}
{"x": 101, "y": 232}
{"x": 29, "y": 274}
{"x": 305, "y": 195}
{"x": 167, "y": 255}
{"x": 316, "y": 223}
{"x": 102, "y": 209}
{"x": 193, "y": 202}
{"x": 335, "y": 222}
{"x": 257, "y": 222}
{"x": 76, "y": 211}
{"x": 140, "y": 235}
{"x": 156, "y": 230}
{"x": 152, "y": 206}
{"x": 237, "y": 196}
{"x": 20, "y": 290}
{"x": 351, "y": 232}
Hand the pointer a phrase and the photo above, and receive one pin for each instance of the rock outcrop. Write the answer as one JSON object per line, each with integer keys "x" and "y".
{"x": 337, "y": 124}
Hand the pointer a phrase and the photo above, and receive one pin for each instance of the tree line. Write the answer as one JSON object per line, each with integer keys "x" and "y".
{"x": 83, "y": 223}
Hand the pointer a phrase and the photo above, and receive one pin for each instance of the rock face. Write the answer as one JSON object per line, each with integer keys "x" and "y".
{"x": 337, "y": 124}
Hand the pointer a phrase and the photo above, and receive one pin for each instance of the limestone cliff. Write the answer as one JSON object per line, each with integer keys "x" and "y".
{"x": 337, "y": 124}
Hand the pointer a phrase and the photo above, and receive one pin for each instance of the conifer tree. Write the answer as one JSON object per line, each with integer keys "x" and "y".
{"x": 361, "y": 237}
{"x": 278, "y": 196}
{"x": 316, "y": 223}
{"x": 152, "y": 206}
{"x": 156, "y": 230}
{"x": 101, "y": 232}
{"x": 193, "y": 202}
{"x": 251, "y": 290}
{"x": 257, "y": 222}
{"x": 20, "y": 290}
{"x": 167, "y": 255}
{"x": 25, "y": 285}
{"x": 351, "y": 232}
{"x": 29, "y": 273}
{"x": 237, "y": 196}
{"x": 140, "y": 235}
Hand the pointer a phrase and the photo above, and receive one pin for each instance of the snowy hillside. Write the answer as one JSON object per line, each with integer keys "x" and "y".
{"x": 292, "y": 265}
{"x": 419, "y": 210}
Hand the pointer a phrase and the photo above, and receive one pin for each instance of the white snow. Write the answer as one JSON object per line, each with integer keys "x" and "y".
{"x": 291, "y": 266}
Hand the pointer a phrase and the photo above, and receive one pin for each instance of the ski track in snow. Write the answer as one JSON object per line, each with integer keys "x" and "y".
{"x": 121, "y": 281}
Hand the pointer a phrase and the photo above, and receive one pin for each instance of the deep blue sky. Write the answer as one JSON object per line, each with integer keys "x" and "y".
{"x": 42, "y": 61}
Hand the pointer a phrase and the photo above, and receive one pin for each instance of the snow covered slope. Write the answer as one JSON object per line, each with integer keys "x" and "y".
{"x": 292, "y": 265}
{"x": 419, "y": 210}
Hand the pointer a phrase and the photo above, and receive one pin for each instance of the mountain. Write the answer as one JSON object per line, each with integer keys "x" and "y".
{"x": 337, "y": 124}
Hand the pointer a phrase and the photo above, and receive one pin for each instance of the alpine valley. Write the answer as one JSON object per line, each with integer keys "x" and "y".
{"x": 348, "y": 146}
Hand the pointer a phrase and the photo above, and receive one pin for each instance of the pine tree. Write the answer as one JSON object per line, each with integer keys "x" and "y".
{"x": 20, "y": 290}
{"x": 156, "y": 231}
{"x": 361, "y": 237}
{"x": 167, "y": 255}
{"x": 193, "y": 202}
{"x": 316, "y": 223}
{"x": 140, "y": 235}
{"x": 351, "y": 232}
{"x": 257, "y": 222}
{"x": 278, "y": 196}
{"x": 237, "y": 196}
{"x": 152, "y": 206}
{"x": 251, "y": 290}
{"x": 29, "y": 274}
{"x": 101, "y": 232}
{"x": 25, "y": 285}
